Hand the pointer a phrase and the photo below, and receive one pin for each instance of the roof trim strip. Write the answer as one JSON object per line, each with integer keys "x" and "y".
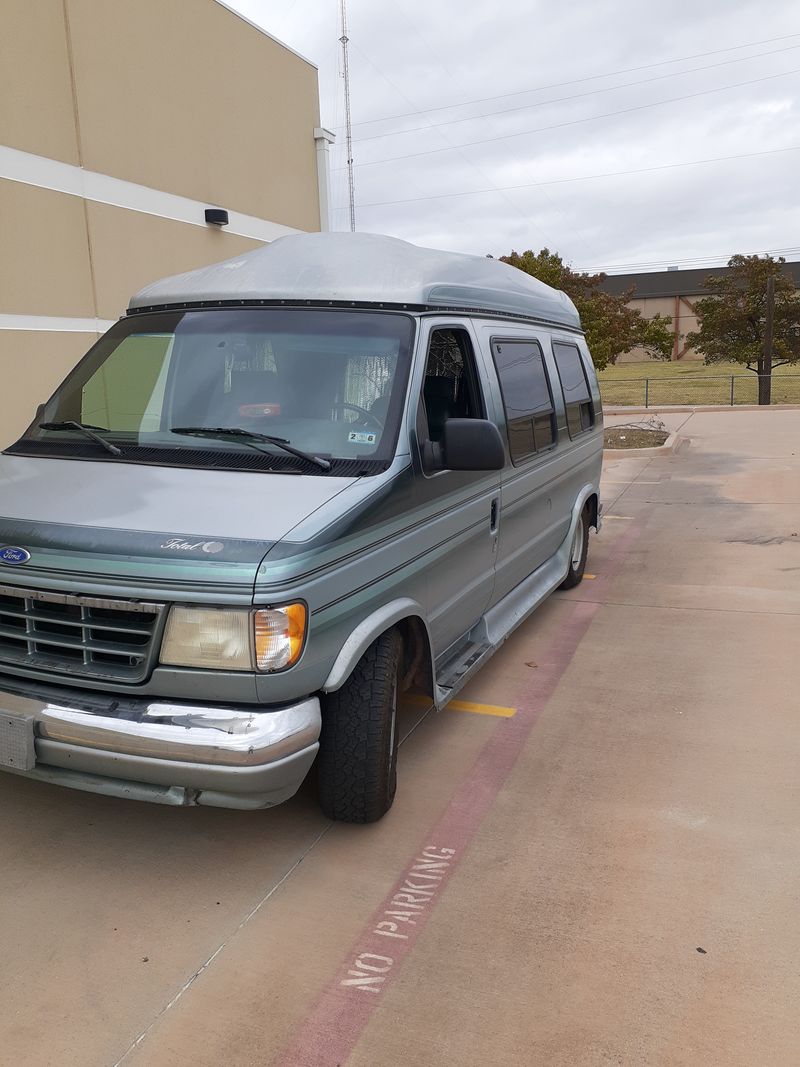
{"x": 353, "y": 305}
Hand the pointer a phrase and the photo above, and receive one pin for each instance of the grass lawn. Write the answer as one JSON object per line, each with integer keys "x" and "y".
{"x": 692, "y": 383}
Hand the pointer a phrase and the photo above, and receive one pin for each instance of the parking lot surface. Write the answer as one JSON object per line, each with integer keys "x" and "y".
{"x": 594, "y": 859}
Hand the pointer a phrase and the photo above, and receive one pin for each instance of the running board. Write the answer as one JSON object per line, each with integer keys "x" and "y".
{"x": 467, "y": 659}
{"x": 497, "y": 625}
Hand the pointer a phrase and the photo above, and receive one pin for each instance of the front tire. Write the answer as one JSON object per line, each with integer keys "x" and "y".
{"x": 578, "y": 552}
{"x": 358, "y": 745}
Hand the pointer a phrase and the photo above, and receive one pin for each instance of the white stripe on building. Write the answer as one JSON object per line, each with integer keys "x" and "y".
{"x": 55, "y": 323}
{"x": 18, "y": 166}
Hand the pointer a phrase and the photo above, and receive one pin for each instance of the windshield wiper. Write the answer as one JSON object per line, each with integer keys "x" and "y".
{"x": 87, "y": 430}
{"x": 251, "y": 438}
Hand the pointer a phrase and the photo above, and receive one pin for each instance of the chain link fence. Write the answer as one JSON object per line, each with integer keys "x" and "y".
{"x": 723, "y": 389}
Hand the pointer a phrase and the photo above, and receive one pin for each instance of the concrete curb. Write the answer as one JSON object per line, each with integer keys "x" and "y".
{"x": 670, "y": 445}
{"x": 720, "y": 408}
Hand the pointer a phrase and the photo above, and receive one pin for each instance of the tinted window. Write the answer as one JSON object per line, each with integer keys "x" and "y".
{"x": 526, "y": 396}
{"x": 577, "y": 399}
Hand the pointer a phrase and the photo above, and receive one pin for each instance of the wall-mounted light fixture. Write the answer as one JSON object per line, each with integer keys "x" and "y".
{"x": 216, "y": 216}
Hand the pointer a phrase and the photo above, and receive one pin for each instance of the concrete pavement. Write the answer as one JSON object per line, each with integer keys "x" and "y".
{"x": 607, "y": 876}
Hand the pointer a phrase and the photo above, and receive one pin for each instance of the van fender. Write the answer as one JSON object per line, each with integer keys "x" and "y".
{"x": 367, "y": 631}
{"x": 577, "y": 510}
{"x": 580, "y": 502}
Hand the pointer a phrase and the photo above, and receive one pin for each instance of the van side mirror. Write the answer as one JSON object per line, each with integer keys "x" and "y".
{"x": 472, "y": 445}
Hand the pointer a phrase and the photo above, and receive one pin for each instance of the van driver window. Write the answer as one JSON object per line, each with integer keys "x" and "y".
{"x": 450, "y": 390}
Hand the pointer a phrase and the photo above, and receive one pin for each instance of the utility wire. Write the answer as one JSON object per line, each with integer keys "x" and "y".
{"x": 426, "y": 45}
{"x": 581, "y": 177}
{"x": 575, "y": 96}
{"x": 698, "y": 262}
{"x": 455, "y": 148}
{"x": 576, "y": 122}
{"x": 578, "y": 81}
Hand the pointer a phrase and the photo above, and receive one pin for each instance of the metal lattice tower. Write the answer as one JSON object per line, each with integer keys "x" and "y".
{"x": 344, "y": 39}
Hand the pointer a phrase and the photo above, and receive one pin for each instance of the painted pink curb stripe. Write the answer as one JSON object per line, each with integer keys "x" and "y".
{"x": 331, "y": 1030}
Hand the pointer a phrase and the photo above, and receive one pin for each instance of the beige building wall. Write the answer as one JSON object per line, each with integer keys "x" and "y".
{"x": 126, "y": 246}
{"x": 120, "y": 122}
{"x": 684, "y": 321}
{"x": 36, "y": 105}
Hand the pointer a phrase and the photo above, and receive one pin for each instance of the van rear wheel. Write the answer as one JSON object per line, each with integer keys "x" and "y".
{"x": 358, "y": 744}
{"x": 578, "y": 552}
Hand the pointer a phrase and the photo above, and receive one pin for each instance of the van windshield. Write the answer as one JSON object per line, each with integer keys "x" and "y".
{"x": 330, "y": 383}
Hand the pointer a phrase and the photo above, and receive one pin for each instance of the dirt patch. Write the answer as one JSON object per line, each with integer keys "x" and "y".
{"x": 636, "y": 437}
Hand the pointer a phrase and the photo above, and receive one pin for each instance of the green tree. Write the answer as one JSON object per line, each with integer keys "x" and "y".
{"x": 733, "y": 321}
{"x": 612, "y": 327}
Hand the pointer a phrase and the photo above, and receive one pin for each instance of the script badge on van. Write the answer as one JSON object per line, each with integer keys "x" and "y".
{"x": 177, "y": 544}
{"x": 14, "y": 556}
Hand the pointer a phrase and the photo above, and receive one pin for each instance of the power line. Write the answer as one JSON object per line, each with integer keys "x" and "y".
{"x": 576, "y": 122}
{"x": 455, "y": 148}
{"x": 578, "y": 81}
{"x": 697, "y": 261}
{"x": 581, "y": 177}
{"x": 426, "y": 45}
{"x": 692, "y": 260}
{"x": 575, "y": 96}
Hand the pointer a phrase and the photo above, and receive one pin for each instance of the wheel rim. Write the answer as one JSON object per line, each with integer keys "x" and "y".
{"x": 577, "y": 545}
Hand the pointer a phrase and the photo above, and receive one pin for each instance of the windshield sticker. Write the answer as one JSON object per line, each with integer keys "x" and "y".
{"x": 257, "y": 411}
{"x": 360, "y": 438}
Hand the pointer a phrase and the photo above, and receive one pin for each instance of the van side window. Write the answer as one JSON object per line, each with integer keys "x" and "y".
{"x": 450, "y": 389}
{"x": 530, "y": 413}
{"x": 575, "y": 386}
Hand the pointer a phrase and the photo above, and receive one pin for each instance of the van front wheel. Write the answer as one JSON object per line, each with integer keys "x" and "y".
{"x": 578, "y": 552}
{"x": 358, "y": 745}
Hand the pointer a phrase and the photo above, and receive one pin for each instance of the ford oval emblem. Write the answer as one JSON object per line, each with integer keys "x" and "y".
{"x": 14, "y": 556}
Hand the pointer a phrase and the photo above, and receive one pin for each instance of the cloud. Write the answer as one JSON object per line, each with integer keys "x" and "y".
{"x": 583, "y": 118}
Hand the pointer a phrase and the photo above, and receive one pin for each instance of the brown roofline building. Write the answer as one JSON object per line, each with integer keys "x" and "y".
{"x": 673, "y": 293}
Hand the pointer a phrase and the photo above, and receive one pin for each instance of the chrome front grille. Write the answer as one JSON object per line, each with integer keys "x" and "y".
{"x": 79, "y": 636}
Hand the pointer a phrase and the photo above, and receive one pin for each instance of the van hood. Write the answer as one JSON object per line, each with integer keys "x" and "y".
{"x": 146, "y": 530}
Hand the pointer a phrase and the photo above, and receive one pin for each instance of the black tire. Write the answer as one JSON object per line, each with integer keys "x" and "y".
{"x": 578, "y": 552}
{"x": 357, "y": 763}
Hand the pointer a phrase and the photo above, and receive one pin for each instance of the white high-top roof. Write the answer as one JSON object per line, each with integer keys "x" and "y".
{"x": 364, "y": 268}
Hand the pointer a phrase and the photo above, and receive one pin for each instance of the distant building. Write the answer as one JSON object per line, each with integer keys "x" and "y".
{"x": 120, "y": 125}
{"x": 672, "y": 292}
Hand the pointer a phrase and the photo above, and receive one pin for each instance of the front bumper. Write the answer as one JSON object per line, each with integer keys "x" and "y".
{"x": 236, "y": 756}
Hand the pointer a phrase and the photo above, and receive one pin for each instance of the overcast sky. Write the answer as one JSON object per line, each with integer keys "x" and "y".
{"x": 566, "y": 105}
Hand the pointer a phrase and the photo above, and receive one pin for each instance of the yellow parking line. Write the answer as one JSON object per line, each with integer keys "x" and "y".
{"x": 590, "y": 577}
{"x": 418, "y": 700}
{"x": 481, "y": 709}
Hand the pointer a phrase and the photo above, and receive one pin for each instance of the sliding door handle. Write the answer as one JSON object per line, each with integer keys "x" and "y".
{"x": 494, "y": 515}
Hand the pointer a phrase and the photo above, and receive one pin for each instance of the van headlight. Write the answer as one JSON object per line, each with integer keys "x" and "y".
{"x": 280, "y": 634}
{"x": 235, "y": 639}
